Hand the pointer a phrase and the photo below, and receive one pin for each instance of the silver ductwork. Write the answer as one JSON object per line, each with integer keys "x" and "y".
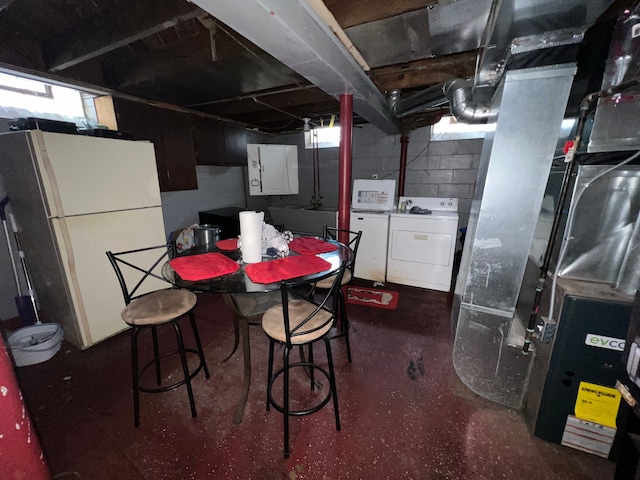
{"x": 462, "y": 105}
{"x": 430, "y": 98}
{"x": 517, "y": 37}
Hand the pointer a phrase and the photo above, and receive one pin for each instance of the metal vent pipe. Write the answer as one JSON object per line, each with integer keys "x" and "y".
{"x": 432, "y": 97}
{"x": 461, "y": 104}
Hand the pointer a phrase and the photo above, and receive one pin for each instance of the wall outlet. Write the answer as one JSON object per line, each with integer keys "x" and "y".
{"x": 374, "y": 176}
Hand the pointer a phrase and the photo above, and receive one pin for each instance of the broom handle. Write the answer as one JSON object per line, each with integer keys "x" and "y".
{"x": 23, "y": 260}
{"x": 13, "y": 260}
{"x": 3, "y": 204}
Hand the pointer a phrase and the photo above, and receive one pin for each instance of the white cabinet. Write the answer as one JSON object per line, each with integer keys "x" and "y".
{"x": 273, "y": 169}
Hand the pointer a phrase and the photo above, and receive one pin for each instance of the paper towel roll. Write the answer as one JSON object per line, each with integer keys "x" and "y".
{"x": 251, "y": 236}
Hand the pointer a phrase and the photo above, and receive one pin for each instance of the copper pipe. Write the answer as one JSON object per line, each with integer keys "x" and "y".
{"x": 404, "y": 142}
{"x": 344, "y": 167}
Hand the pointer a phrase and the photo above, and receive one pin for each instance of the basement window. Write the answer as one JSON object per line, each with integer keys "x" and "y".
{"x": 448, "y": 128}
{"x": 327, "y": 137}
{"x": 27, "y": 97}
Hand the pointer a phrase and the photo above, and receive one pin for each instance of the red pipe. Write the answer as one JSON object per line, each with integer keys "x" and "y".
{"x": 21, "y": 454}
{"x": 344, "y": 167}
{"x": 404, "y": 142}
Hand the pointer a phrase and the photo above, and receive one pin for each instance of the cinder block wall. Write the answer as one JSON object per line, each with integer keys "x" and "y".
{"x": 434, "y": 169}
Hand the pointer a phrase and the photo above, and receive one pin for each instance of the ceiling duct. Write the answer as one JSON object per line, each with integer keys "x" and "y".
{"x": 462, "y": 105}
{"x": 518, "y": 37}
{"x": 431, "y": 98}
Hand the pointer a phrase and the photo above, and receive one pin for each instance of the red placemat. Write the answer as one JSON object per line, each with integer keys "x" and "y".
{"x": 228, "y": 244}
{"x": 311, "y": 246}
{"x": 201, "y": 267}
{"x": 286, "y": 268}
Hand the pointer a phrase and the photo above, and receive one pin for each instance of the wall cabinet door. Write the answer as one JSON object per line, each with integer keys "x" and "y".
{"x": 219, "y": 143}
{"x": 208, "y": 139}
{"x": 171, "y": 133}
{"x": 235, "y": 141}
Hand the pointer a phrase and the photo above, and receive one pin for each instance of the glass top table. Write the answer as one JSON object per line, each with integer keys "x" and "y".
{"x": 238, "y": 283}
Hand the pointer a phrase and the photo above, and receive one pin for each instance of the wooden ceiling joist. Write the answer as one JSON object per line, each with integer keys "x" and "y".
{"x": 428, "y": 71}
{"x": 141, "y": 20}
{"x": 349, "y": 14}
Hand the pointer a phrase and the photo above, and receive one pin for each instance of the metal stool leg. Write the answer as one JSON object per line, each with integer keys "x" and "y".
{"x": 332, "y": 382}
{"x": 185, "y": 367}
{"x": 286, "y": 400}
{"x": 134, "y": 368}
{"x": 196, "y": 335}
{"x": 269, "y": 370}
{"x": 156, "y": 355}
{"x": 344, "y": 321}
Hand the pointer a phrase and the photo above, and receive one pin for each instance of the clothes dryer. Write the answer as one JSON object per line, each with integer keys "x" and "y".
{"x": 422, "y": 241}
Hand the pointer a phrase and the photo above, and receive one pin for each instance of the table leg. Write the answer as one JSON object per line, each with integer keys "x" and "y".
{"x": 246, "y": 351}
{"x": 236, "y": 337}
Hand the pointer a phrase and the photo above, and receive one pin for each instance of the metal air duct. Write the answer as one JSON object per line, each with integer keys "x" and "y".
{"x": 463, "y": 107}
{"x": 432, "y": 97}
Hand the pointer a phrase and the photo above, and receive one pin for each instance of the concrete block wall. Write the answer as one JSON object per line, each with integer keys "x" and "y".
{"x": 434, "y": 169}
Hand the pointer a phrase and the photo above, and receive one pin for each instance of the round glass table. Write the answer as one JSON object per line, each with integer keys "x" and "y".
{"x": 236, "y": 285}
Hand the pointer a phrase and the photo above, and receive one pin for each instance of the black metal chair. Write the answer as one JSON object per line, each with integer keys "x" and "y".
{"x": 332, "y": 233}
{"x": 301, "y": 321}
{"x": 149, "y": 306}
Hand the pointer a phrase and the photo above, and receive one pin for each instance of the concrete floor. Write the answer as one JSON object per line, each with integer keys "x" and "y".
{"x": 404, "y": 412}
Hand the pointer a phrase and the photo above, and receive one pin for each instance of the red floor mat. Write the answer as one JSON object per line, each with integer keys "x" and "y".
{"x": 373, "y": 297}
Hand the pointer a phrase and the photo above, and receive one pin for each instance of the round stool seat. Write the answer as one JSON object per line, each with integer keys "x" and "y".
{"x": 158, "y": 307}
{"x": 326, "y": 283}
{"x": 299, "y": 310}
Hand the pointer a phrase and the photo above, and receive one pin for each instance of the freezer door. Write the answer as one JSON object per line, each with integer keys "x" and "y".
{"x": 95, "y": 291}
{"x": 82, "y": 175}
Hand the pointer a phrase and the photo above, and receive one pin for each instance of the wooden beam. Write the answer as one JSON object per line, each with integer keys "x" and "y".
{"x": 425, "y": 72}
{"x": 351, "y": 13}
{"x": 116, "y": 29}
{"x": 169, "y": 62}
{"x": 266, "y": 115}
{"x": 281, "y": 100}
{"x": 20, "y": 51}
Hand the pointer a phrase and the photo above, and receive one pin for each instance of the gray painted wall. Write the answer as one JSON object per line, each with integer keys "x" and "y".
{"x": 218, "y": 187}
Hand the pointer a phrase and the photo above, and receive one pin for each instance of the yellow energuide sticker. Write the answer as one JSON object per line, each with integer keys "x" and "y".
{"x": 597, "y": 404}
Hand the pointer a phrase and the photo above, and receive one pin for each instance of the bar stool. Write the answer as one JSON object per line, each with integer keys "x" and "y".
{"x": 331, "y": 233}
{"x": 148, "y": 308}
{"x": 298, "y": 322}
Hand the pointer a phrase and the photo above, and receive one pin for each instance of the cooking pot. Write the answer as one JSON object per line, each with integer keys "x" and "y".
{"x": 206, "y": 235}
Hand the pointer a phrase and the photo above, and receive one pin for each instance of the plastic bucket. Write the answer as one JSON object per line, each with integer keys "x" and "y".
{"x": 206, "y": 235}
{"x": 35, "y": 344}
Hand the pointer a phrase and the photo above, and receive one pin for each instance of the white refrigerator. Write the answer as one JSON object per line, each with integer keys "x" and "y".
{"x": 74, "y": 197}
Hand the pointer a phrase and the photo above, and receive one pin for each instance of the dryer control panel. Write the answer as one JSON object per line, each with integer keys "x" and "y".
{"x": 428, "y": 203}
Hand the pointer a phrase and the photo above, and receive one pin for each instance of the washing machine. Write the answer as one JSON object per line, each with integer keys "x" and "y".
{"x": 371, "y": 203}
{"x": 422, "y": 242}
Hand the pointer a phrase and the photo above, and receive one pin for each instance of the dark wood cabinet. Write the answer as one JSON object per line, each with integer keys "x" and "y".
{"x": 208, "y": 139}
{"x": 171, "y": 133}
{"x": 219, "y": 143}
{"x": 235, "y": 140}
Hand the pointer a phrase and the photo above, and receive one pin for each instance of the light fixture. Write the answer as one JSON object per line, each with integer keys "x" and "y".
{"x": 306, "y": 127}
